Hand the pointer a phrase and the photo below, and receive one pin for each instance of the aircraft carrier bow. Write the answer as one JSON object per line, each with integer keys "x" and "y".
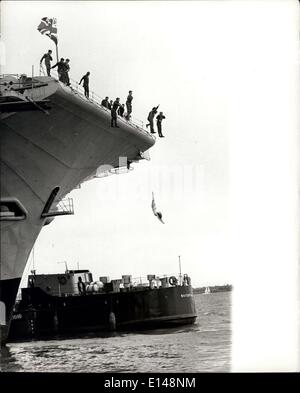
{"x": 52, "y": 139}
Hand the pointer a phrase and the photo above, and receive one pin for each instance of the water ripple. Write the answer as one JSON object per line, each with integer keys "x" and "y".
{"x": 204, "y": 346}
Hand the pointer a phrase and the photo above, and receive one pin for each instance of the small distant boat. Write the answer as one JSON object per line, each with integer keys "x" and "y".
{"x": 207, "y": 291}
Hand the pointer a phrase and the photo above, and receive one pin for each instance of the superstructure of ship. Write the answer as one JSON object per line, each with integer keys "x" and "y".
{"x": 55, "y": 305}
{"x": 52, "y": 139}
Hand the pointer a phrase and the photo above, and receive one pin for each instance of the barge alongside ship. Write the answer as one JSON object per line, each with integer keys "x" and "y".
{"x": 71, "y": 303}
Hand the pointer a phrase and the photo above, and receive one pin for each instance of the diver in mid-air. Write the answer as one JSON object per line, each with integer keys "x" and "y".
{"x": 155, "y": 212}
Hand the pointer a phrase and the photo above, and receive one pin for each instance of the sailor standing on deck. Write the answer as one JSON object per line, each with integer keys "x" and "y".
{"x": 159, "y": 119}
{"x": 129, "y": 104}
{"x": 60, "y": 68}
{"x": 85, "y": 80}
{"x": 64, "y": 68}
{"x": 121, "y": 110}
{"x": 150, "y": 118}
{"x": 67, "y": 69}
{"x": 114, "y": 109}
{"x": 105, "y": 102}
{"x": 47, "y": 58}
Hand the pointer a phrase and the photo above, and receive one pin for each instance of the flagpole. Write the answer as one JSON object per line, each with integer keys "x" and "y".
{"x": 48, "y": 26}
{"x": 56, "y": 43}
{"x": 56, "y": 46}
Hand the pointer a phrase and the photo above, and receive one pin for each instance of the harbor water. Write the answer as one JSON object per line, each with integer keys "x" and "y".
{"x": 202, "y": 347}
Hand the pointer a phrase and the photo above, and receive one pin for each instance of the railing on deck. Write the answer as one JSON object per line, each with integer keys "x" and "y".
{"x": 96, "y": 99}
{"x": 63, "y": 207}
{"x": 137, "y": 283}
{"x": 25, "y": 82}
{"x": 143, "y": 281}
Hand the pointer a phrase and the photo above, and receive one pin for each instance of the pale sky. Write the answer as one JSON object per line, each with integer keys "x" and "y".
{"x": 146, "y": 47}
{"x": 226, "y": 75}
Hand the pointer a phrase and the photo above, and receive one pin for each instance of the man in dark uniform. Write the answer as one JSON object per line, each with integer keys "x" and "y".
{"x": 47, "y": 58}
{"x": 150, "y": 118}
{"x": 60, "y": 68}
{"x": 81, "y": 286}
{"x": 159, "y": 119}
{"x": 66, "y": 71}
{"x": 85, "y": 80}
{"x": 121, "y": 110}
{"x": 114, "y": 109}
{"x": 64, "y": 68}
{"x": 105, "y": 102}
{"x": 129, "y": 104}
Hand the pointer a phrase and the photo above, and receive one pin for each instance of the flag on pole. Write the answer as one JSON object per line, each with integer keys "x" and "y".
{"x": 48, "y": 26}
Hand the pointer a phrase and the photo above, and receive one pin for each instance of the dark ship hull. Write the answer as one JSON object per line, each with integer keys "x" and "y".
{"x": 40, "y": 315}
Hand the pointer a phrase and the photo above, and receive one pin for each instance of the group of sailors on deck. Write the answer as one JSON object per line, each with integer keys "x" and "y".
{"x": 63, "y": 67}
{"x": 116, "y": 108}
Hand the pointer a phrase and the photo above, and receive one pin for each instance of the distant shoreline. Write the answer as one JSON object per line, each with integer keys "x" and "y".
{"x": 215, "y": 288}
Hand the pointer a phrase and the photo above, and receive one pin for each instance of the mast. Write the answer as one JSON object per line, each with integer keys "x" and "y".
{"x": 56, "y": 41}
{"x": 180, "y": 281}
